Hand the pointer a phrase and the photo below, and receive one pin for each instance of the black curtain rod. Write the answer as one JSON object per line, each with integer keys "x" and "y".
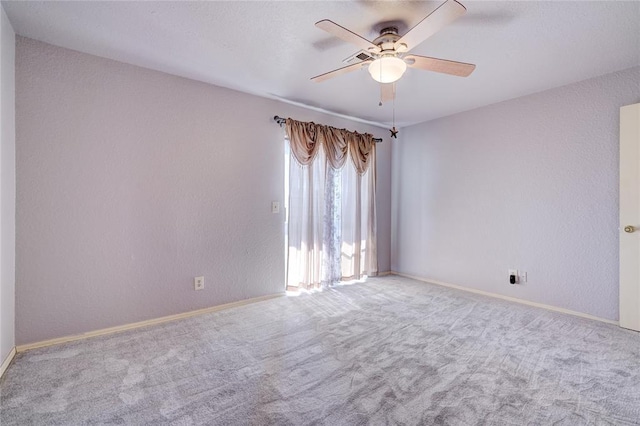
{"x": 281, "y": 121}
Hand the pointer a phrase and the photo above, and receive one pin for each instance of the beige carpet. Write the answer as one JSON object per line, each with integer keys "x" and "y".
{"x": 390, "y": 351}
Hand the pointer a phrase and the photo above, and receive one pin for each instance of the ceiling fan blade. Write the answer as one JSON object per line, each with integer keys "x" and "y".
{"x": 444, "y": 14}
{"x": 444, "y": 66}
{"x": 339, "y": 71}
{"x": 346, "y": 35}
{"x": 387, "y": 92}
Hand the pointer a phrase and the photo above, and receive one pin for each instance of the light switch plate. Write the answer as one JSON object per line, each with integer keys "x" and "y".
{"x": 275, "y": 207}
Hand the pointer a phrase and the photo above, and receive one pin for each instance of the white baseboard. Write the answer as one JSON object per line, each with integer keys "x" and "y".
{"x": 131, "y": 326}
{"x": 509, "y": 298}
{"x": 7, "y": 361}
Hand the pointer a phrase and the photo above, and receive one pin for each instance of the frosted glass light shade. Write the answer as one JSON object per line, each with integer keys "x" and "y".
{"x": 387, "y": 69}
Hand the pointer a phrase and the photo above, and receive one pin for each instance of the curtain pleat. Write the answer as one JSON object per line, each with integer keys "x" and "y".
{"x": 303, "y": 140}
{"x": 335, "y": 144}
{"x": 332, "y": 218}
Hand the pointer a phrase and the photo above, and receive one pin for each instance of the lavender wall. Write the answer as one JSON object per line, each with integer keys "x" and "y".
{"x": 131, "y": 182}
{"x": 529, "y": 184}
{"x": 7, "y": 186}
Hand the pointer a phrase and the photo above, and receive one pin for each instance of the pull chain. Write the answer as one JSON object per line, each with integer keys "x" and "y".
{"x": 394, "y": 131}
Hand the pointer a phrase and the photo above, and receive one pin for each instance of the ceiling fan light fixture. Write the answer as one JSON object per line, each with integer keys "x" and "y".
{"x": 387, "y": 69}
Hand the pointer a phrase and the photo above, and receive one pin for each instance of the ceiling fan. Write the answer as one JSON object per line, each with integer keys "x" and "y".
{"x": 386, "y": 55}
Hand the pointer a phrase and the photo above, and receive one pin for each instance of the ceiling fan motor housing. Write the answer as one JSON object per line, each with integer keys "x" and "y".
{"x": 387, "y": 39}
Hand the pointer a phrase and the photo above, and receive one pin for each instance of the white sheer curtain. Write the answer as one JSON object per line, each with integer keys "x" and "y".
{"x": 331, "y": 216}
{"x": 358, "y": 244}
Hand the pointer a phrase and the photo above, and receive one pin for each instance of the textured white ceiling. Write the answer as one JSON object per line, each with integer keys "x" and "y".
{"x": 272, "y": 48}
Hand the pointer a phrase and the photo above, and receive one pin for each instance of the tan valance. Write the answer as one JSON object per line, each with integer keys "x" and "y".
{"x": 305, "y": 140}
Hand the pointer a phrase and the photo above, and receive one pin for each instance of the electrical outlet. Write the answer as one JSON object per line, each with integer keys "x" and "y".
{"x": 523, "y": 276}
{"x": 514, "y": 272}
{"x": 198, "y": 283}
